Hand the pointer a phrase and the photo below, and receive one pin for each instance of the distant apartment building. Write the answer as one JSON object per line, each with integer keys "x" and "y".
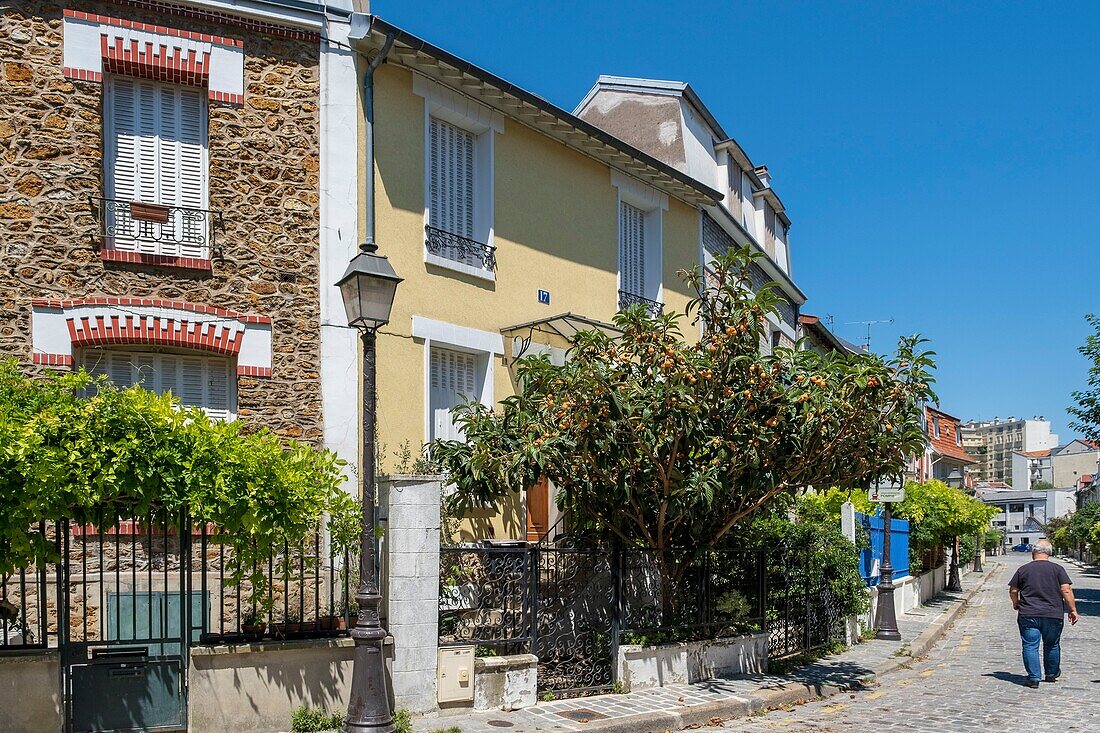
{"x": 1023, "y": 514}
{"x": 992, "y": 443}
{"x": 1073, "y": 461}
{"x": 1030, "y": 467}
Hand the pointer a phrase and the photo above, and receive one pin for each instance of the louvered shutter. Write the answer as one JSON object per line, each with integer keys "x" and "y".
{"x": 122, "y": 177}
{"x": 169, "y": 373}
{"x": 631, "y": 249}
{"x": 158, "y": 155}
{"x": 196, "y": 381}
{"x": 217, "y": 389}
{"x": 451, "y": 183}
{"x": 183, "y": 178}
{"x": 452, "y": 381}
{"x": 192, "y": 382}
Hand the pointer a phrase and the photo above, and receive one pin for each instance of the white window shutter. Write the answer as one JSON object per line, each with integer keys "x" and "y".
{"x": 631, "y": 249}
{"x": 217, "y": 391}
{"x": 169, "y": 373}
{"x": 192, "y": 382}
{"x": 191, "y": 155}
{"x": 122, "y": 139}
{"x": 148, "y": 127}
{"x": 158, "y": 156}
{"x": 452, "y": 381}
{"x": 451, "y": 183}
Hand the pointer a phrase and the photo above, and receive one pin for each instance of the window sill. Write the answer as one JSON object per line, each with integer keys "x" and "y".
{"x": 170, "y": 261}
{"x": 448, "y": 264}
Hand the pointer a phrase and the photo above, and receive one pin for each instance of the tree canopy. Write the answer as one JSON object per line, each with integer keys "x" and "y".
{"x": 670, "y": 442}
{"x": 1087, "y": 409}
{"x": 74, "y": 447}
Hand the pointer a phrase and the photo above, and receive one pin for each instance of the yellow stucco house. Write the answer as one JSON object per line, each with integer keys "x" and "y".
{"x": 514, "y": 223}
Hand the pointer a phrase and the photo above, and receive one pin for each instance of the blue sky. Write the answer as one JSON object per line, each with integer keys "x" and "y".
{"x": 939, "y": 161}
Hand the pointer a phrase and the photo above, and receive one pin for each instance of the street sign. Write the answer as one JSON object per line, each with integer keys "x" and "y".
{"x": 881, "y": 494}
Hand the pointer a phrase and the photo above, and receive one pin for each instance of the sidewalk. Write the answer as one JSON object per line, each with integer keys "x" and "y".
{"x": 677, "y": 706}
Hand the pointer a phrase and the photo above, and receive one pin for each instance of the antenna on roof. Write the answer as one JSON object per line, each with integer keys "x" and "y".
{"x": 829, "y": 320}
{"x": 868, "y": 324}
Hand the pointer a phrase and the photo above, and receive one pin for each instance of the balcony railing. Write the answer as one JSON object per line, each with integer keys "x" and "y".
{"x": 652, "y": 307}
{"x": 460, "y": 249}
{"x": 156, "y": 228}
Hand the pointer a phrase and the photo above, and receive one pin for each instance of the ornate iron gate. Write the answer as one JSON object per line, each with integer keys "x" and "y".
{"x": 576, "y": 633}
{"x": 125, "y": 624}
{"x": 803, "y": 613}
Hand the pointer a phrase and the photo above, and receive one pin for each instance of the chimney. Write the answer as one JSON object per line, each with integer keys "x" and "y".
{"x": 764, "y": 176}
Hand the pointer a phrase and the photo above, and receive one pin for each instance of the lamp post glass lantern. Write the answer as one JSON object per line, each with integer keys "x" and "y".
{"x": 368, "y": 288}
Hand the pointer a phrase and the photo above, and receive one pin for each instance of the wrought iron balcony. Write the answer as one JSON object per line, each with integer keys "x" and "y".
{"x": 173, "y": 230}
{"x": 652, "y": 307}
{"x": 460, "y": 249}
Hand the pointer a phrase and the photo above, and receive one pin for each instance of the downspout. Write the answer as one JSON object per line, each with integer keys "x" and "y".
{"x": 368, "y": 244}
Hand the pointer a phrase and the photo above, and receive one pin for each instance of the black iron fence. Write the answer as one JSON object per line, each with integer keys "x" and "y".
{"x": 138, "y": 578}
{"x": 573, "y": 606}
{"x": 803, "y": 612}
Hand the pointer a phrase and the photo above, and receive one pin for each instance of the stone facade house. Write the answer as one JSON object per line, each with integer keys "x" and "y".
{"x": 162, "y": 198}
{"x": 177, "y": 202}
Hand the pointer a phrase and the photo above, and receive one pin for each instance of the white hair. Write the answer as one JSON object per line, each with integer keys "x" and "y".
{"x": 1042, "y": 547}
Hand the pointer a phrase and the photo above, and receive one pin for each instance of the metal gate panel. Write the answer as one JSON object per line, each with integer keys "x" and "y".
{"x": 576, "y": 634}
{"x": 127, "y": 620}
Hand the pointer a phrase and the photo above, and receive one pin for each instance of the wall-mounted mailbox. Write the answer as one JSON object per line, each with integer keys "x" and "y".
{"x": 455, "y": 682}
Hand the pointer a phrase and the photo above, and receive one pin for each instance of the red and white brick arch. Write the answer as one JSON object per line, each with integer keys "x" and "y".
{"x": 60, "y": 327}
{"x": 95, "y": 44}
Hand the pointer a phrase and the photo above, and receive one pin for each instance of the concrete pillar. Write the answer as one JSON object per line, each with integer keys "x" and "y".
{"x": 848, "y": 520}
{"x": 410, "y": 570}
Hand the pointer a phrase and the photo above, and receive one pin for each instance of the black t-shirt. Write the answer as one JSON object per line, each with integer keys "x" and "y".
{"x": 1040, "y": 585}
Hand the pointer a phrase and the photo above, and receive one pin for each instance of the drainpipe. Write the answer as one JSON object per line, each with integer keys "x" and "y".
{"x": 368, "y": 119}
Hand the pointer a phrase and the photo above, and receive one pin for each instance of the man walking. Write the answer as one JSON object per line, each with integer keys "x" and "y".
{"x": 1038, "y": 590}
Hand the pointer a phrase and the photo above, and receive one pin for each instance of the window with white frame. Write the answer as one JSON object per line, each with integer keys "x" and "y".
{"x": 206, "y": 382}
{"x": 459, "y": 190}
{"x": 640, "y": 211}
{"x": 156, "y": 155}
{"x": 455, "y": 377}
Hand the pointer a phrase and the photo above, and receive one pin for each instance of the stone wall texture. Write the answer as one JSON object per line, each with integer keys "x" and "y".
{"x": 264, "y": 178}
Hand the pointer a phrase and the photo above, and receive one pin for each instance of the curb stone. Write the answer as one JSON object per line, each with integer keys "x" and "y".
{"x": 793, "y": 693}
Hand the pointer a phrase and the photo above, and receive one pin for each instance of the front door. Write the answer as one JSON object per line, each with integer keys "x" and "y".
{"x": 538, "y": 510}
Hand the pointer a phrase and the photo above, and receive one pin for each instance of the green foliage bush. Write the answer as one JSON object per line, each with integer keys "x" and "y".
{"x": 402, "y": 720}
{"x": 74, "y": 447}
{"x": 937, "y": 514}
{"x": 662, "y": 441}
{"x": 312, "y": 720}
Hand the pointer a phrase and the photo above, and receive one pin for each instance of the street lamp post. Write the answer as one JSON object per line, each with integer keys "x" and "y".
{"x": 886, "y": 619}
{"x": 954, "y": 581}
{"x": 368, "y": 288}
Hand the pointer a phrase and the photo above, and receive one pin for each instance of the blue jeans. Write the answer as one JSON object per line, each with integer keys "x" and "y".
{"x": 1034, "y": 629}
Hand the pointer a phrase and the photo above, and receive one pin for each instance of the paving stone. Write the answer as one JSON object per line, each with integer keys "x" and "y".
{"x": 972, "y": 680}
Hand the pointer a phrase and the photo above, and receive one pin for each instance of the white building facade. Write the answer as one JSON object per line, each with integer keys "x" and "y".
{"x": 992, "y": 443}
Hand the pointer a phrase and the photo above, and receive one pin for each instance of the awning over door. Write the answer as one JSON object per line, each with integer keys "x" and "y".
{"x": 553, "y": 335}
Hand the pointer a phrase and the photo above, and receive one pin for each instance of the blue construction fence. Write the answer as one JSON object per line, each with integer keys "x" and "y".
{"x": 899, "y": 546}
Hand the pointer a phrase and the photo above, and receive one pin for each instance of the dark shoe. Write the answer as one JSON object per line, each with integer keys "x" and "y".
{"x": 1033, "y": 684}
{"x": 1053, "y": 679}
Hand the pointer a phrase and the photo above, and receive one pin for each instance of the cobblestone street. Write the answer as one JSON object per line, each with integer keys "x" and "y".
{"x": 972, "y": 680}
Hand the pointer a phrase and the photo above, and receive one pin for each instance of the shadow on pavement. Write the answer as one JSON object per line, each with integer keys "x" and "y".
{"x": 1016, "y": 679}
{"x": 816, "y": 676}
{"x": 1088, "y": 601}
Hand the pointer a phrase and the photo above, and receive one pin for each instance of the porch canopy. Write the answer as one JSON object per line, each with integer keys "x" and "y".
{"x": 553, "y": 335}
